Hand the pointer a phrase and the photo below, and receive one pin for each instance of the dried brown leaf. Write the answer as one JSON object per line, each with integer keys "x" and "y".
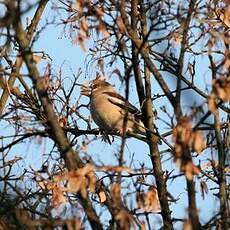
{"x": 99, "y": 11}
{"x": 182, "y": 136}
{"x": 125, "y": 219}
{"x": 149, "y": 200}
{"x": 88, "y": 168}
{"x": 103, "y": 29}
{"x": 74, "y": 183}
{"x": 13, "y": 161}
{"x": 210, "y": 164}
{"x": 204, "y": 188}
{"x": 81, "y": 39}
{"x": 83, "y": 187}
{"x": 152, "y": 200}
{"x": 84, "y": 25}
{"x": 120, "y": 24}
{"x": 101, "y": 64}
{"x": 58, "y": 196}
{"x": 92, "y": 181}
{"x": 143, "y": 226}
{"x": 51, "y": 185}
{"x": 74, "y": 224}
{"x": 227, "y": 61}
{"x": 221, "y": 88}
{"x": 212, "y": 104}
{"x": 115, "y": 168}
{"x": 79, "y": 180}
{"x": 116, "y": 190}
{"x": 198, "y": 142}
{"x": 22, "y": 215}
{"x": 187, "y": 225}
{"x": 42, "y": 184}
{"x": 102, "y": 196}
{"x": 63, "y": 122}
{"x": 190, "y": 169}
{"x": 177, "y": 37}
{"x": 224, "y": 16}
{"x": 116, "y": 194}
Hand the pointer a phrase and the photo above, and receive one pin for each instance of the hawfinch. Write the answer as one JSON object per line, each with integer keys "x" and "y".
{"x": 109, "y": 109}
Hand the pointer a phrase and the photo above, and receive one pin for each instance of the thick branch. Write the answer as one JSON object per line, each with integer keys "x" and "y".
{"x": 180, "y": 64}
{"x": 18, "y": 63}
{"x": 148, "y": 116}
{"x": 221, "y": 173}
{"x": 72, "y": 158}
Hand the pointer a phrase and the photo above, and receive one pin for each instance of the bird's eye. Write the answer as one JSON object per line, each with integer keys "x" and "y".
{"x": 93, "y": 86}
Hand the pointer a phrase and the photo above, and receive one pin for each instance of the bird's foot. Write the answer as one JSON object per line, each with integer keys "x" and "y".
{"x": 105, "y": 136}
{"x": 120, "y": 132}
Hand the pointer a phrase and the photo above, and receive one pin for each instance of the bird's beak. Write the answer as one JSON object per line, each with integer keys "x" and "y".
{"x": 86, "y": 91}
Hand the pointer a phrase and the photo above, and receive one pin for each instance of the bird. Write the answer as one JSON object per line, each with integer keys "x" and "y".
{"x": 109, "y": 109}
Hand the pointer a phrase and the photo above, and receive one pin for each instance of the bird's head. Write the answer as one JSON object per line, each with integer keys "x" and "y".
{"x": 94, "y": 86}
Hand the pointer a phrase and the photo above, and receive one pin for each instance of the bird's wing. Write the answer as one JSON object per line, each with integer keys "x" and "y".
{"x": 120, "y": 101}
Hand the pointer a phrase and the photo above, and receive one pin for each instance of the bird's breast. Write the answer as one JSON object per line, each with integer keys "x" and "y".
{"x": 105, "y": 114}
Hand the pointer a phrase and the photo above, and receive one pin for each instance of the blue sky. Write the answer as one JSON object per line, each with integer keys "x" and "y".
{"x": 70, "y": 58}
